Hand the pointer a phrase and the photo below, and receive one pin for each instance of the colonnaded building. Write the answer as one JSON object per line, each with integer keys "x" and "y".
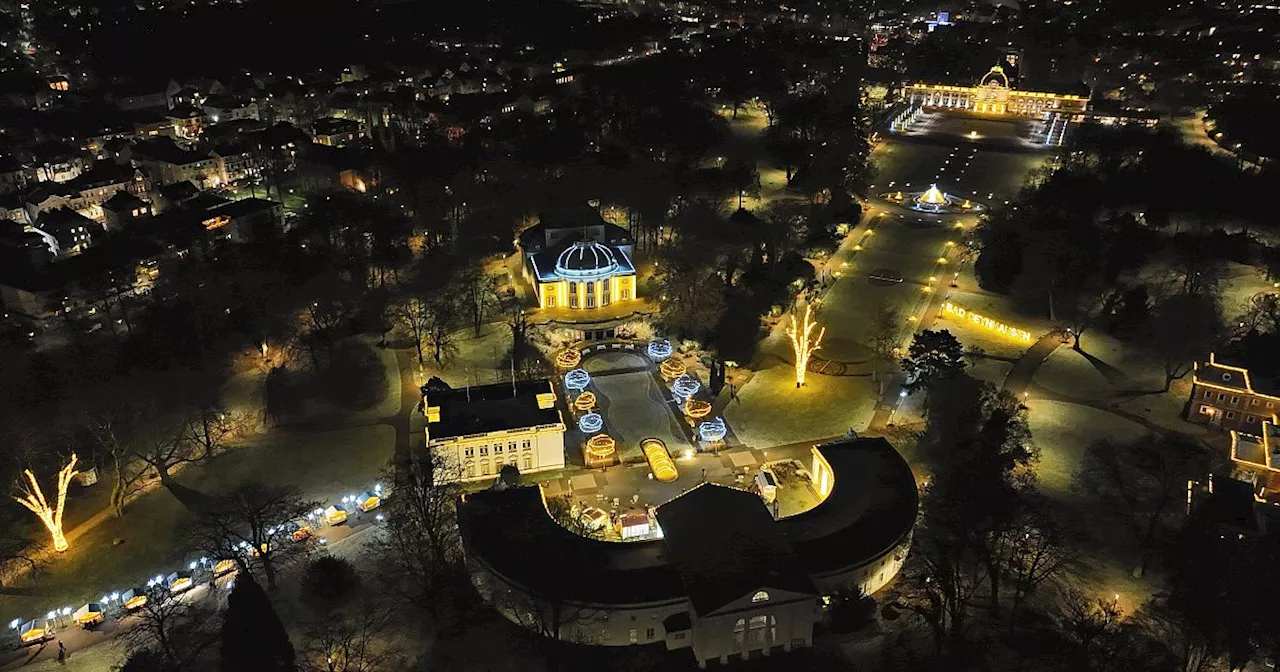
{"x": 994, "y": 95}
{"x": 726, "y": 580}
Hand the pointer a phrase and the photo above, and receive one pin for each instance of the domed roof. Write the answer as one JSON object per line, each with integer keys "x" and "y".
{"x": 586, "y": 259}
{"x": 996, "y": 77}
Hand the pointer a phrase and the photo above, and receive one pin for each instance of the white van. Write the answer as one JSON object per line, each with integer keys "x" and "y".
{"x": 767, "y": 485}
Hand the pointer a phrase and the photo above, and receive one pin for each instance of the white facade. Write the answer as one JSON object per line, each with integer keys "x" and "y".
{"x": 479, "y": 457}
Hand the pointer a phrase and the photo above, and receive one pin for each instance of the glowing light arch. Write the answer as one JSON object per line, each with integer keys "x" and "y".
{"x": 591, "y": 423}
{"x": 585, "y": 401}
{"x": 577, "y": 380}
{"x": 660, "y": 350}
{"x": 713, "y": 430}
{"x": 685, "y": 386}
{"x": 568, "y": 359}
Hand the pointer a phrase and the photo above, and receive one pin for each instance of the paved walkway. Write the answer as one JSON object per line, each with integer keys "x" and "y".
{"x": 1024, "y": 370}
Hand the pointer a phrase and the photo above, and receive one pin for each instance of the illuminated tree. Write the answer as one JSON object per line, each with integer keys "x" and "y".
{"x": 33, "y": 498}
{"x": 803, "y": 343}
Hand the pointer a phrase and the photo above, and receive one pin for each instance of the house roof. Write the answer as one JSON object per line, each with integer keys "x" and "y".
{"x": 490, "y": 408}
{"x": 123, "y": 201}
{"x": 724, "y": 545}
{"x": 870, "y": 509}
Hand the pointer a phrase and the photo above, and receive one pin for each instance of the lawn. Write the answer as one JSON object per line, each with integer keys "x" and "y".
{"x": 323, "y": 465}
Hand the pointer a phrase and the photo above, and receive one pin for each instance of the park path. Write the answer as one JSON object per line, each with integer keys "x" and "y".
{"x": 1024, "y": 370}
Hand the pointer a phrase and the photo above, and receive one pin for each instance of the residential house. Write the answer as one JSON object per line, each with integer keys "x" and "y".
{"x": 122, "y": 209}
{"x": 221, "y": 109}
{"x": 1226, "y": 396}
{"x": 168, "y": 164}
{"x": 14, "y": 175}
{"x": 68, "y": 232}
{"x": 335, "y": 132}
{"x": 141, "y": 95}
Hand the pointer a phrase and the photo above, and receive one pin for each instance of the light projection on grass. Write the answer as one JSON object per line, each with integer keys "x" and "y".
{"x": 712, "y": 430}
{"x": 672, "y": 369}
{"x": 803, "y": 343}
{"x": 585, "y": 401}
{"x": 34, "y": 500}
{"x": 591, "y": 423}
{"x": 685, "y": 386}
{"x": 577, "y": 380}
{"x": 568, "y": 359}
{"x": 660, "y": 350}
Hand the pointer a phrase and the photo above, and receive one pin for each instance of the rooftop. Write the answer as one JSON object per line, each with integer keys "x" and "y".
{"x": 490, "y": 408}
{"x": 724, "y": 544}
{"x": 871, "y": 508}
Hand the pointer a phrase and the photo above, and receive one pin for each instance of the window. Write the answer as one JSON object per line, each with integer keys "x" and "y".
{"x": 573, "y": 298}
{"x": 1250, "y": 419}
{"x": 1254, "y": 402}
{"x": 1235, "y": 400}
{"x": 631, "y": 636}
{"x": 1221, "y": 396}
{"x": 551, "y": 301}
{"x": 528, "y": 462}
{"x": 484, "y": 451}
{"x": 497, "y": 449}
{"x": 604, "y": 299}
{"x": 591, "y": 288}
{"x": 648, "y": 633}
{"x": 1268, "y": 404}
{"x": 1208, "y": 394}
{"x": 591, "y": 301}
{"x": 471, "y": 469}
{"x": 526, "y": 444}
{"x": 625, "y": 294}
{"x": 1206, "y": 410}
{"x": 1231, "y": 414}
{"x": 511, "y": 447}
{"x": 604, "y": 286}
{"x": 484, "y": 467}
{"x": 469, "y": 451}
{"x": 739, "y": 630}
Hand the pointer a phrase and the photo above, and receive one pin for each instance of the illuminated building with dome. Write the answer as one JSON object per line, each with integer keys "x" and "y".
{"x": 994, "y": 95}
{"x": 577, "y": 261}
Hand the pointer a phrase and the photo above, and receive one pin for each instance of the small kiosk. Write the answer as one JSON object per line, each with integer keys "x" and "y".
{"x": 89, "y": 615}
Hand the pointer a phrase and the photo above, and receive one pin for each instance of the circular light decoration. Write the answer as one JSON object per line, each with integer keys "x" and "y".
{"x": 660, "y": 350}
{"x": 585, "y": 401}
{"x": 697, "y": 408}
{"x": 685, "y": 386}
{"x": 672, "y": 369}
{"x": 600, "y": 446}
{"x": 712, "y": 430}
{"x": 568, "y": 359}
{"x": 577, "y": 380}
{"x": 591, "y": 423}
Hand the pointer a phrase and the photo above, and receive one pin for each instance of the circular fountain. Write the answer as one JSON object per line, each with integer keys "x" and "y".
{"x": 934, "y": 201}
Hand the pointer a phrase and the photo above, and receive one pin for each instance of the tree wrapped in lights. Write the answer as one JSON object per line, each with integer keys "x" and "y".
{"x": 34, "y": 500}
{"x": 803, "y": 343}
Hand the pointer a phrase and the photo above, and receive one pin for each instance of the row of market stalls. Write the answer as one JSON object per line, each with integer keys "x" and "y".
{"x": 120, "y": 604}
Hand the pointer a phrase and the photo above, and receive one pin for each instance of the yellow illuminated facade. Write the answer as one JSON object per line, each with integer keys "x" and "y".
{"x": 986, "y": 322}
{"x": 587, "y": 294}
{"x": 993, "y": 95}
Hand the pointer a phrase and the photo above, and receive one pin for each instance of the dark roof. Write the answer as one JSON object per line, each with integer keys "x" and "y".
{"x": 331, "y": 125}
{"x": 511, "y": 531}
{"x": 534, "y": 238}
{"x": 179, "y": 191}
{"x": 123, "y": 201}
{"x": 872, "y": 506}
{"x": 1231, "y": 503}
{"x": 725, "y": 546}
{"x": 245, "y": 207}
{"x": 490, "y": 408}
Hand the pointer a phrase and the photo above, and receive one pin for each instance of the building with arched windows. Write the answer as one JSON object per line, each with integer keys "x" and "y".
{"x": 580, "y": 270}
{"x": 994, "y": 95}
{"x": 478, "y": 430}
{"x": 726, "y": 581}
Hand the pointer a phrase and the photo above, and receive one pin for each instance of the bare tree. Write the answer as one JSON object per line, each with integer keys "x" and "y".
{"x": 420, "y": 551}
{"x": 886, "y": 333}
{"x": 249, "y": 525}
{"x": 479, "y": 294}
{"x": 562, "y": 509}
{"x": 1143, "y": 482}
{"x": 442, "y": 322}
{"x": 414, "y": 315}
{"x": 351, "y": 642}
{"x": 1038, "y": 552}
{"x": 176, "y": 627}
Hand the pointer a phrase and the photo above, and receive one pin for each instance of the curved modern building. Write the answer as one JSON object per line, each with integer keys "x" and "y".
{"x": 726, "y": 581}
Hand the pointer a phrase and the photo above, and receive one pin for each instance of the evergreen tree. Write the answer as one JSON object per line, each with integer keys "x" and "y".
{"x": 253, "y": 638}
